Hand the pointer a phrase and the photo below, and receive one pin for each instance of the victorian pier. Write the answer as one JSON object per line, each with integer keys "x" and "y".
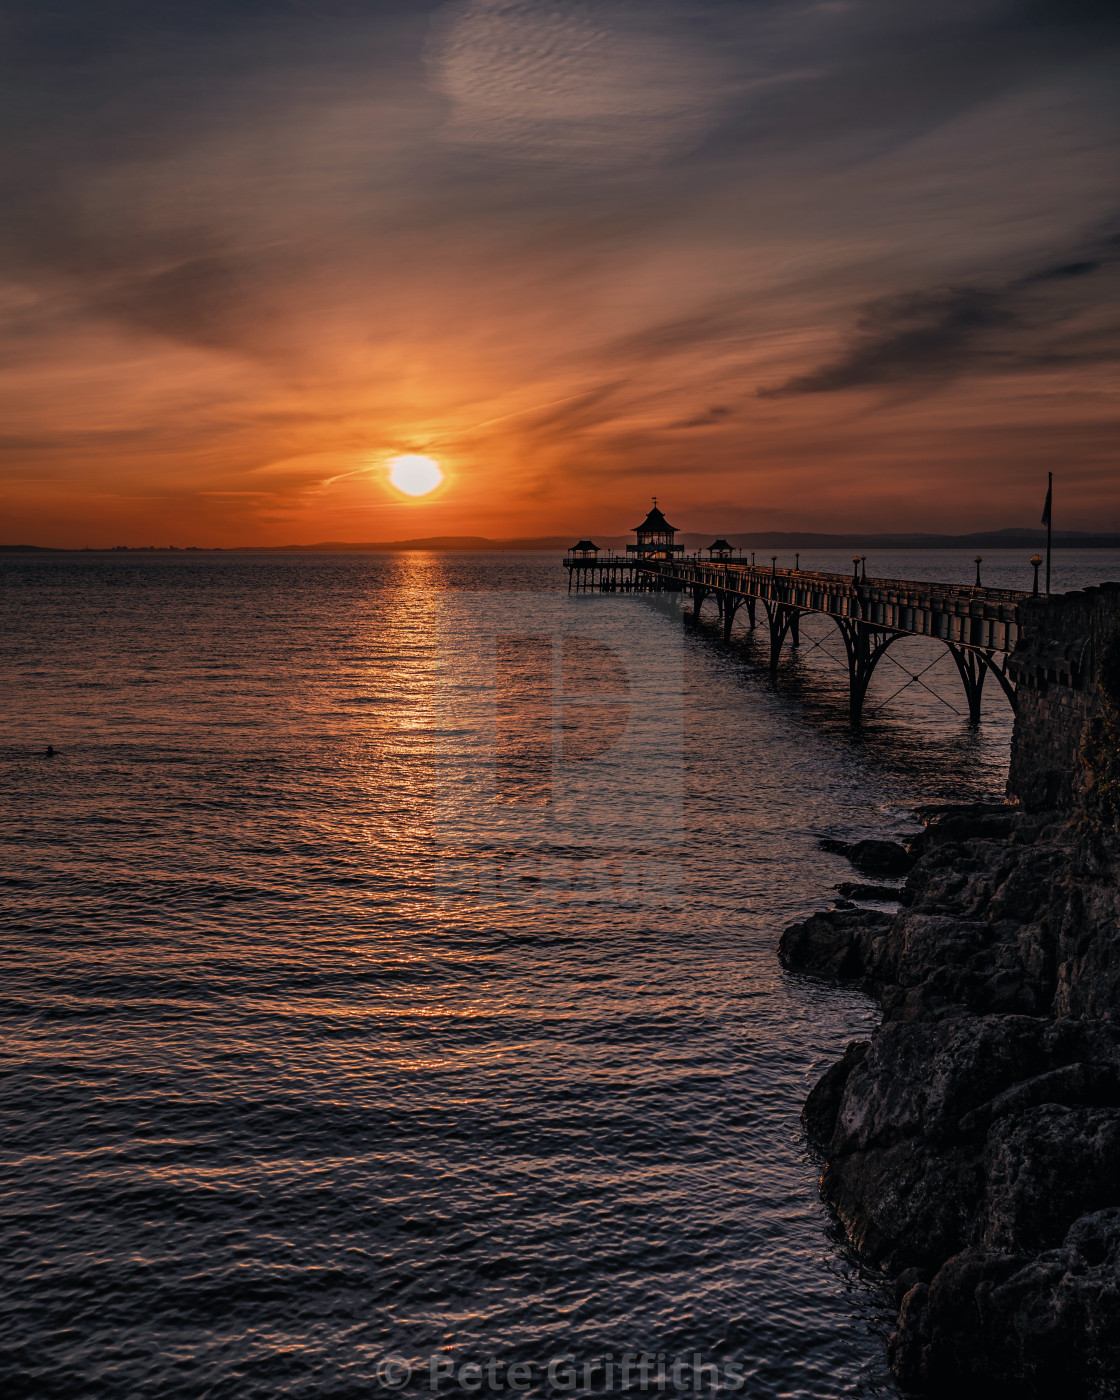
{"x": 979, "y": 626}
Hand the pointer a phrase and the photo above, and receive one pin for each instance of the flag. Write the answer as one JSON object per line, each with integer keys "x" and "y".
{"x": 1049, "y": 495}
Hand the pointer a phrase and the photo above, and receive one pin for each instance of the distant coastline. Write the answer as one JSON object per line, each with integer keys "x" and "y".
{"x": 765, "y": 539}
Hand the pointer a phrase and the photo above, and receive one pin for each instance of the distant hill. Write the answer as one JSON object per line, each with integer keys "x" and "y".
{"x": 1012, "y": 538}
{"x": 476, "y": 543}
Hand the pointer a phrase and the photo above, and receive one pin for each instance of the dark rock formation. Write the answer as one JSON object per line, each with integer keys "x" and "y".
{"x": 972, "y": 1146}
{"x": 854, "y": 889}
{"x": 833, "y": 944}
{"x": 872, "y": 857}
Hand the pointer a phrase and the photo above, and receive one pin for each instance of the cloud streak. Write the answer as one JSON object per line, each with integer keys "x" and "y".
{"x": 929, "y": 337}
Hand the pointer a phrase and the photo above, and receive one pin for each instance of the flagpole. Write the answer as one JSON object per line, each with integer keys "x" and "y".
{"x": 1049, "y": 527}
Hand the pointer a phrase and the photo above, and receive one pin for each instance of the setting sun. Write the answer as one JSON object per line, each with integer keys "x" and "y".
{"x": 415, "y": 476}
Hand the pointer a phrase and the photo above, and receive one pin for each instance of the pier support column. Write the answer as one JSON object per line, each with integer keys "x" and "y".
{"x": 731, "y": 606}
{"x": 698, "y": 596}
{"x": 973, "y": 666}
{"x": 865, "y": 645}
{"x": 781, "y": 619}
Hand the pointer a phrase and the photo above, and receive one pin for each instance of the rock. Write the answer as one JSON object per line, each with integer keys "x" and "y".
{"x": 1075, "y": 1083}
{"x": 905, "y": 1281}
{"x": 1096, "y": 1236}
{"x": 903, "y": 1206}
{"x": 1085, "y": 919}
{"x": 823, "y": 1103}
{"x": 920, "y": 1079}
{"x": 1045, "y": 1168}
{"x": 907, "y": 1347}
{"x": 1009, "y": 1325}
{"x": 851, "y": 889}
{"x": 832, "y": 943}
{"x": 947, "y": 1307}
{"x": 872, "y": 857}
{"x": 957, "y": 822}
{"x": 968, "y": 1138}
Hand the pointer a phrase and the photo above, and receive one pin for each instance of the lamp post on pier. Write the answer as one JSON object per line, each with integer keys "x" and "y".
{"x": 855, "y": 568}
{"x": 1036, "y": 564}
{"x": 773, "y": 563}
{"x": 978, "y": 561}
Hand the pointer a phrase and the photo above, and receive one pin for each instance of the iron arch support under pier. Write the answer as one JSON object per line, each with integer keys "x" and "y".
{"x": 782, "y": 620}
{"x": 729, "y": 606}
{"x": 1006, "y": 684}
{"x": 864, "y": 644}
{"x": 699, "y": 593}
{"x": 973, "y": 665}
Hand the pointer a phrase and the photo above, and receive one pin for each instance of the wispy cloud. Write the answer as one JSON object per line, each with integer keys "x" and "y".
{"x": 931, "y": 336}
{"x": 593, "y": 85}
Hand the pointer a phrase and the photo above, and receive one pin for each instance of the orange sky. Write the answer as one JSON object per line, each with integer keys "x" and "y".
{"x": 850, "y": 269}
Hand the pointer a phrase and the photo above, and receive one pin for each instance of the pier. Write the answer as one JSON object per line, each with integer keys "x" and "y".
{"x": 979, "y": 626}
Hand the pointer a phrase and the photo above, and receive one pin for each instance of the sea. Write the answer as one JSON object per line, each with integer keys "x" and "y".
{"x": 390, "y": 988}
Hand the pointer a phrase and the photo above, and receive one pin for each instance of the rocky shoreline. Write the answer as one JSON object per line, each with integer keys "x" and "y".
{"x": 972, "y": 1145}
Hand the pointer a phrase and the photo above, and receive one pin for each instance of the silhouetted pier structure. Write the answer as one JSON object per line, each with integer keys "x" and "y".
{"x": 979, "y": 626}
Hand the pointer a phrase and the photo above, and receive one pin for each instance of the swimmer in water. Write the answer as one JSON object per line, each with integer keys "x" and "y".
{"x": 50, "y": 751}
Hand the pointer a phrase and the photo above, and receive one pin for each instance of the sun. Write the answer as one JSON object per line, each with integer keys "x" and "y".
{"x": 413, "y": 475}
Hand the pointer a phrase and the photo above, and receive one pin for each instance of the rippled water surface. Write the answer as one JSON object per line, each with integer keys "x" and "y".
{"x": 282, "y": 1098}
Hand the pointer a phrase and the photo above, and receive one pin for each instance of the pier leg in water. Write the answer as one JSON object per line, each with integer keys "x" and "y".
{"x": 973, "y": 666}
{"x": 865, "y": 645}
{"x": 698, "y": 596}
{"x": 781, "y": 619}
{"x": 730, "y": 608}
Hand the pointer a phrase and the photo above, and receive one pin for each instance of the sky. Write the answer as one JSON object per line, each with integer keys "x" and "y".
{"x": 828, "y": 266}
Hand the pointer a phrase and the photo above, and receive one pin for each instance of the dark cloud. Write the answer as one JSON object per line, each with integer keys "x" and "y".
{"x": 716, "y": 414}
{"x": 199, "y": 300}
{"x": 929, "y": 337}
{"x": 1062, "y": 272}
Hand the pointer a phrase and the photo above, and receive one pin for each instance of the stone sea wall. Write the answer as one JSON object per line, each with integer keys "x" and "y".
{"x": 1055, "y": 670}
{"x": 972, "y": 1145}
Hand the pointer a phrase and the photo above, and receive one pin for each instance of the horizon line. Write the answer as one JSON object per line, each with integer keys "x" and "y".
{"x": 1006, "y": 537}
